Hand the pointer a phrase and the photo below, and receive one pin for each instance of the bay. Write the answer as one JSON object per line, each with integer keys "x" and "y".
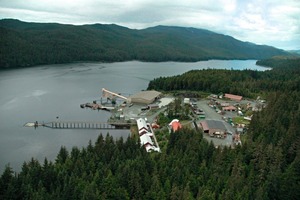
{"x": 46, "y": 92}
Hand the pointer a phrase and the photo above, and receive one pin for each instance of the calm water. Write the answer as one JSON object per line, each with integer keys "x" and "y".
{"x": 45, "y": 92}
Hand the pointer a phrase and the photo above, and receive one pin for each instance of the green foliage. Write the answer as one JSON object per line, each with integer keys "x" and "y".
{"x": 283, "y": 62}
{"x": 246, "y": 83}
{"x": 175, "y": 110}
{"x": 27, "y": 44}
{"x": 163, "y": 120}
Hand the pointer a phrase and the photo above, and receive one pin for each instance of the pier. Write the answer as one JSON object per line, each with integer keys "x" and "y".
{"x": 96, "y": 106}
{"x": 81, "y": 125}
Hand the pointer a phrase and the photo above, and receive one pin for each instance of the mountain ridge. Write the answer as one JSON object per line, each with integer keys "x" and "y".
{"x": 28, "y": 44}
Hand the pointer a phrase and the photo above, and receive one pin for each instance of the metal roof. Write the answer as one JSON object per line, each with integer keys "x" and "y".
{"x": 145, "y": 139}
{"x": 233, "y": 97}
{"x": 213, "y": 124}
{"x": 141, "y": 123}
{"x": 229, "y": 108}
{"x": 148, "y": 95}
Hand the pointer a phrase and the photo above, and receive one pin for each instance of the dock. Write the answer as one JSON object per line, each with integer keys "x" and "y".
{"x": 80, "y": 125}
{"x": 96, "y": 106}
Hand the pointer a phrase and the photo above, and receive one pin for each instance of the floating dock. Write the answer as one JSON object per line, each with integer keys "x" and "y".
{"x": 32, "y": 124}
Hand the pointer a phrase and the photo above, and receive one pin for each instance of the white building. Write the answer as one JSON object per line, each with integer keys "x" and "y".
{"x": 146, "y": 135}
{"x": 142, "y": 126}
{"x": 186, "y": 100}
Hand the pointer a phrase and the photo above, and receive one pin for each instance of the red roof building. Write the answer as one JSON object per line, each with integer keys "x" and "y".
{"x": 233, "y": 97}
{"x": 175, "y": 125}
{"x": 229, "y": 108}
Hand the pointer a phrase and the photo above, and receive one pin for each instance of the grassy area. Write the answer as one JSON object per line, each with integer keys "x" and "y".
{"x": 191, "y": 94}
{"x": 162, "y": 137}
{"x": 240, "y": 120}
{"x": 186, "y": 123}
{"x": 134, "y": 131}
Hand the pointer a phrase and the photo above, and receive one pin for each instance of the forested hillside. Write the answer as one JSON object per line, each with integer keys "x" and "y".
{"x": 26, "y": 44}
{"x": 285, "y": 75}
{"x": 281, "y": 62}
{"x": 267, "y": 166}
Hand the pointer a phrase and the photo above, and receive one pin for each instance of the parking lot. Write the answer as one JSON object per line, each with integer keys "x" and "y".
{"x": 211, "y": 114}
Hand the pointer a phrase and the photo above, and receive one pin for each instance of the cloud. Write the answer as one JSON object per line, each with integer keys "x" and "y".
{"x": 272, "y": 22}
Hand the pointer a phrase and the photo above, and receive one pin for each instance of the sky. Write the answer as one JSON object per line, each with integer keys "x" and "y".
{"x": 270, "y": 22}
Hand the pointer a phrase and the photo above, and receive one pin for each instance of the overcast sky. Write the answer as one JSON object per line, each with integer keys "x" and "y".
{"x": 270, "y": 22}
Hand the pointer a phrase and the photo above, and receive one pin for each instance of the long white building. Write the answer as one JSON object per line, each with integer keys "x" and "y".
{"x": 146, "y": 135}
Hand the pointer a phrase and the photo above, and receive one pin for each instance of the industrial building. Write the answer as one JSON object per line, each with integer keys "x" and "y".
{"x": 144, "y": 97}
{"x": 214, "y": 128}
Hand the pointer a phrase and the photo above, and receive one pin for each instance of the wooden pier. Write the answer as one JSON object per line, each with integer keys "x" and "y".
{"x": 81, "y": 125}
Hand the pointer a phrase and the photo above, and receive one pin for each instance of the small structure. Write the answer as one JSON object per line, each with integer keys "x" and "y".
{"x": 248, "y": 118}
{"x": 214, "y": 128}
{"x": 153, "y": 106}
{"x": 236, "y": 139}
{"x": 155, "y": 126}
{"x": 225, "y": 104}
{"x": 233, "y": 97}
{"x": 186, "y": 100}
{"x": 214, "y": 96}
{"x": 229, "y": 108}
{"x": 144, "y": 97}
{"x": 240, "y": 128}
{"x": 165, "y": 101}
{"x": 175, "y": 125}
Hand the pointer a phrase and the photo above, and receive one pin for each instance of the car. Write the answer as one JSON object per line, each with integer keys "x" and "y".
{"x": 144, "y": 108}
{"x": 201, "y": 116}
{"x": 229, "y": 132}
{"x": 199, "y": 112}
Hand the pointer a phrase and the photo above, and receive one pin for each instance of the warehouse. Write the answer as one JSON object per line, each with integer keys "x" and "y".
{"x": 144, "y": 97}
{"x": 214, "y": 128}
